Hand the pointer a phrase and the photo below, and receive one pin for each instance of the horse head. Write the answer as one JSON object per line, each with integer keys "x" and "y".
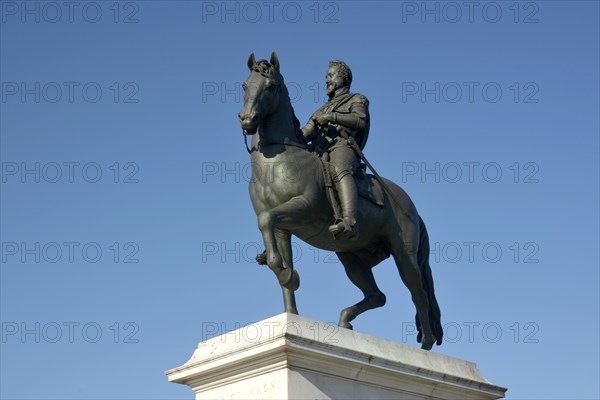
{"x": 262, "y": 92}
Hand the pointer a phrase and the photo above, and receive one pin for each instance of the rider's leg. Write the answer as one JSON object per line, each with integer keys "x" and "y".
{"x": 346, "y": 189}
{"x": 344, "y": 163}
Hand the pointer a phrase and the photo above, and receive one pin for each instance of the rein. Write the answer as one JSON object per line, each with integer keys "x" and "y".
{"x": 285, "y": 143}
{"x": 246, "y": 143}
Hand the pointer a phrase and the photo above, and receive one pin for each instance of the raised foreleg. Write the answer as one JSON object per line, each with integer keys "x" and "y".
{"x": 283, "y": 217}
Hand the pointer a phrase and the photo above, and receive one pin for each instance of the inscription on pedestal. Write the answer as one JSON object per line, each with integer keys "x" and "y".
{"x": 264, "y": 390}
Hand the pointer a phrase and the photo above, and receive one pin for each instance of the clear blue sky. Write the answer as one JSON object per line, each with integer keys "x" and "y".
{"x": 127, "y": 230}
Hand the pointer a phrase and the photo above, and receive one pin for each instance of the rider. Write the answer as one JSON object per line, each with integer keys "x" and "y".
{"x": 334, "y": 128}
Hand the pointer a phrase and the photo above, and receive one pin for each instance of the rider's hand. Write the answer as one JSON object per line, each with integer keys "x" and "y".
{"x": 324, "y": 119}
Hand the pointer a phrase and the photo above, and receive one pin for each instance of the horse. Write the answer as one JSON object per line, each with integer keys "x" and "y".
{"x": 289, "y": 197}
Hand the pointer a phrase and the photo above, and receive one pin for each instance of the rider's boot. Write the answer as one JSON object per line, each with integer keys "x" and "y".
{"x": 346, "y": 227}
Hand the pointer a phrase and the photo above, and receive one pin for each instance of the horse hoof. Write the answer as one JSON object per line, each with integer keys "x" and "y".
{"x": 346, "y": 325}
{"x": 261, "y": 258}
{"x": 427, "y": 343}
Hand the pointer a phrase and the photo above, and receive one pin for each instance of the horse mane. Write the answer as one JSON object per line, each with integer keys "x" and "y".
{"x": 267, "y": 70}
{"x": 264, "y": 68}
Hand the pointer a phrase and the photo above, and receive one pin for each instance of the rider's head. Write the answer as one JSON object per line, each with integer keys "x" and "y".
{"x": 338, "y": 76}
{"x": 344, "y": 71}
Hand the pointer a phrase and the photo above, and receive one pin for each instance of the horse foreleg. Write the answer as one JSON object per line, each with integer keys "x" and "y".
{"x": 284, "y": 245}
{"x": 361, "y": 274}
{"x": 283, "y": 216}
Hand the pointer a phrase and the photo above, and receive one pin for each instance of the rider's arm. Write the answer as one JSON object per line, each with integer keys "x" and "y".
{"x": 354, "y": 120}
{"x": 310, "y": 130}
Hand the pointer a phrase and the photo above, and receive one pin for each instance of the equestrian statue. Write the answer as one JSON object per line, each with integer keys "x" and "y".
{"x": 310, "y": 182}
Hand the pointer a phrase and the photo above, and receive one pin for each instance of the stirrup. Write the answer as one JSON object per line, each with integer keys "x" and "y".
{"x": 343, "y": 230}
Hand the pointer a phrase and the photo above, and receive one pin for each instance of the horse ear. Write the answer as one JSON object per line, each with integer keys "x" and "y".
{"x": 251, "y": 61}
{"x": 275, "y": 61}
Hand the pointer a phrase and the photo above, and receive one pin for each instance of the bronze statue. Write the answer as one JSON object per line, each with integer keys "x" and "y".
{"x": 295, "y": 198}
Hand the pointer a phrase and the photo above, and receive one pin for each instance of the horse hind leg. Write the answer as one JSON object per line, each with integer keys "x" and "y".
{"x": 434, "y": 309}
{"x": 360, "y": 273}
{"x": 405, "y": 258}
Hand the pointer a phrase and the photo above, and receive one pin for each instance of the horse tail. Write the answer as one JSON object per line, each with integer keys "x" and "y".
{"x": 427, "y": 282}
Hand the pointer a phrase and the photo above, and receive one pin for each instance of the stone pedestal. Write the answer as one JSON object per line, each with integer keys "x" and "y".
{"x": 293, "y": 357}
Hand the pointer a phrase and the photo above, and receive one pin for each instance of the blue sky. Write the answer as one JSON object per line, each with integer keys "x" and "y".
{"x": 127, "y": 230}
